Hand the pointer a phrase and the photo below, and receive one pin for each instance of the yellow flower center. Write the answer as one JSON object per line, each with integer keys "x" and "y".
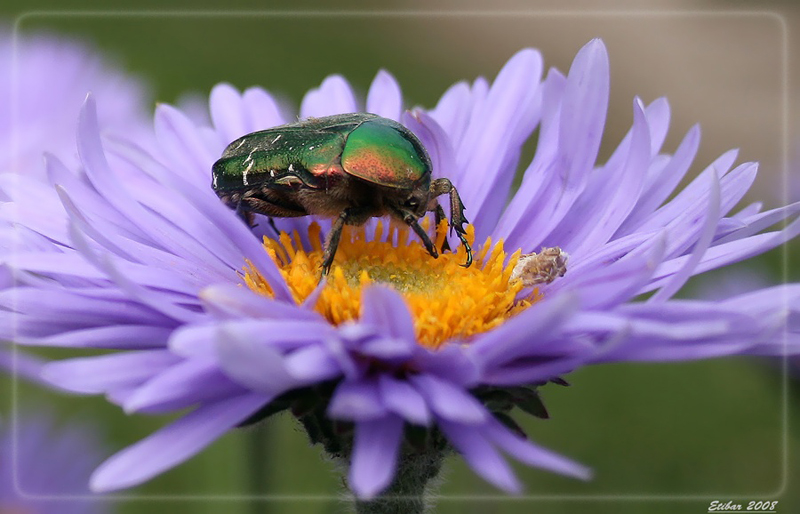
{"x": 446, "y": 300}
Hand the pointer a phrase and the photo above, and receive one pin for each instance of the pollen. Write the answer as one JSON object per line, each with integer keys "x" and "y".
{"x": 447, "y": 301}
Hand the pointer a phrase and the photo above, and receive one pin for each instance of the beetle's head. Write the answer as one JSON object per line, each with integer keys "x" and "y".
{"x": 409, "y": 205}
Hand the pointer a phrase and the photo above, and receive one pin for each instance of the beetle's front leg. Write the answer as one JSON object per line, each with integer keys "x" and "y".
{"x": 425, "y": 239}
{"x": 412, "y": 222}
{"x": 442, "y": 186}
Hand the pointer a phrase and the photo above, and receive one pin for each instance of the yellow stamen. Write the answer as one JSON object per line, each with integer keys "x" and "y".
{"x": 446, "y": 300}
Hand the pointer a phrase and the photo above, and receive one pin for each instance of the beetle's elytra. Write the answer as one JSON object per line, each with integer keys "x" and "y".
{"x": 349, "y": 167}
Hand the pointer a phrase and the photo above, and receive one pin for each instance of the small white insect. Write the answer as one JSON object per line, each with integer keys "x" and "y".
{"x": 540, "y": 268}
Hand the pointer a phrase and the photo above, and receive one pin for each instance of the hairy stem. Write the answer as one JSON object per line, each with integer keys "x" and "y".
{"x": 406, "y": 494}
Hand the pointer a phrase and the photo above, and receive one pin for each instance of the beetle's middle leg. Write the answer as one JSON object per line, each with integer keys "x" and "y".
{"x": 332, "y": 241}
{"x": 442, "y": 186}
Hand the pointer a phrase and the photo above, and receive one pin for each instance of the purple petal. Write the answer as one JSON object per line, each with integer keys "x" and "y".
{"x": 452, "y": 111}
{"x": 541, "y": 185}
{"x": 75, "y": 265}
{"x": 435, "y": 141}
{"x": 356, "y": 401}
{"x": 312, "y": 364}
{"x": 83, "y": 193}
{"x": 227, "y": 112}
{"x": 709, "y": 228}
{"x": 691, "y": 195}
{"x": 450, "y": 363}
{"x": 21, "y": 364}
{"x": 38, "y": 206}
{"x": 532, "y": 454}
{"x": 261, "y": 110}
{"x": 229, "y": 301}
{"x": 687, "y": 227}
{"x": 181, "y": 386}
{"x": 725, "y": 254}
{"x": 663, "y": 183}
{"x": 525, "y": 333}
{"x": 334, "y": 96}
{"x": 376, "y": 445}
{"x": 193, "y": 340}
{"x": 619, "y": 281}
{"x": 658, "y": 116}
{"x": 251, "y": 361}
{"x": 285, "y": 335}
{"x": 385, "y": 309}
{"x": 182, "y": 145}
{"x": 758, "y": 221}
{"x": 481, "y": 456}
{"x": 610, "y": 204}
{"x": 584, "y": 107}
{"x": 91, "y": 375}
{"x": 490, "y": 149}
{"x": 384, "y": 97}
{"x": 154, "y": 300}
{"x": 673, "y": 353}
{"x": 110, "y": 186}
{"x": 401, "y": 398}
{"x": 219, "y": 229}
{"x": 448, "y": 401}
{"x": 174, "y": 443}
{"x": 580, "y": 128}
{"x": 78, "y": 307}
{"x": 388, "y": 350}
{"x": 120, "y": 336}
{"x": 531, "y": 369}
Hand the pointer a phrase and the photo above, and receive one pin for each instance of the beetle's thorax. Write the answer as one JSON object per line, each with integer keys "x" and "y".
{"x": 367, "y": 200}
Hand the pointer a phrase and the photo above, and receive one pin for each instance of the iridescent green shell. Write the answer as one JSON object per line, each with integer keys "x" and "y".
{"x": 386, "y": 153}
{"x": 315, "y": 151}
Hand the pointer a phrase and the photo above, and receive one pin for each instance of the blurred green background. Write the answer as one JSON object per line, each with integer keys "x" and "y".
{"x": 661, "y": 438}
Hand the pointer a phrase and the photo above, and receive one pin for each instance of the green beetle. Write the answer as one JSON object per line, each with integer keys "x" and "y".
{"x": 350, "y": 167}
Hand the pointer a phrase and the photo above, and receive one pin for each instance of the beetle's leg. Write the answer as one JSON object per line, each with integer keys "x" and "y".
{"x": 442, "y": 186}
{"x": 439, "y": 217}
{"x": 467, "y": 247}
{"x": 271, "y": 223}
{"x": 412, "y": 222}
{"x": 246, "y": 216}
{"x": 333, "y": 242}
{"x": 425, "y": 239}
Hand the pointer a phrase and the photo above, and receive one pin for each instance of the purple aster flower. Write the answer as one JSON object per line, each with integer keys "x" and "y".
{"x": 40, "y": 113}
{"x": 44, "y": 468}
{"x": 397, "y": 358}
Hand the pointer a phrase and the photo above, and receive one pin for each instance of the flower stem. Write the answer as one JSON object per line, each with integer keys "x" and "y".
{"x": 258, "y": 472}
{"x": 406, "y": 494}
{"x": 421, "y": 455}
